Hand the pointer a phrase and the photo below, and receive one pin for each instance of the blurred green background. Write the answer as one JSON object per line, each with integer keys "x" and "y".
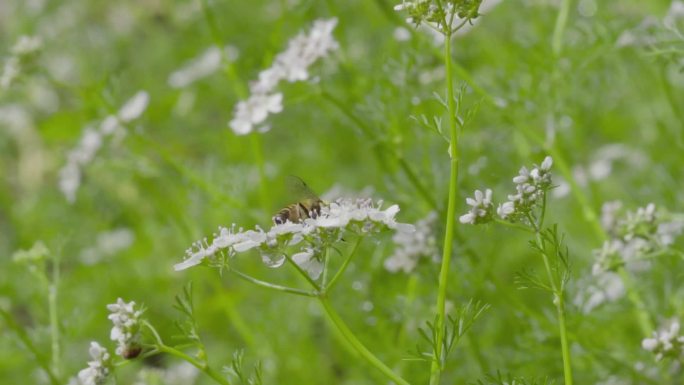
{"x": 180, "y": 172}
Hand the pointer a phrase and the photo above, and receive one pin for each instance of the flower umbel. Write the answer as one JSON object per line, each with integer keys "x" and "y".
{"x": 126, "y": 330}
{"x": 412, "y": 246}
{"x": 360, "y": 217}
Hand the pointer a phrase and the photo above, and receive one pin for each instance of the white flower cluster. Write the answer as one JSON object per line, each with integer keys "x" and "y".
{"x": 481, "y": 208}
{"x": 23, "y": 49}
{"x": 200, "y": 67}
{"x": 360, "y": 216}
{"x": 126, "y": 330}
{"x": 92, "y": 140}
{"x": 98, "y": 367}
{"x": 666, "y": 342}
{"x": 291, "y": 65}
{"x": 531, "y": 187}
{"x": 410, "y": 247}
{"x": 633, "y": 236}
{"x": 598, "y": 289}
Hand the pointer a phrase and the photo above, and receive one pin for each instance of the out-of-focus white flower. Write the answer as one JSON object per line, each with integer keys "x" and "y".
{"x": 22, "y": 49}
{"x": 27, "y": 45}
{"x": 134, "y": 107}
{"x": 126, "y": 329}
{"x": 401, "y": 34}
{"x": 254, "y": 111}
{"x": 599, "y": 289}
{"x": 108, "y": 243}
{"x": 481, "y": 208}
{"x": 290, "y": 65}
{"x": 360, "y": 217}
{"x": 93, "y": 139}
{"x": 411, "y": 246}
{"x": 666, "y": 342}
{"x": 98, "y": 367}
{"x": 204, "y": 65}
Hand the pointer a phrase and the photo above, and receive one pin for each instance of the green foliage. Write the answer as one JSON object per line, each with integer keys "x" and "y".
{"x": 372, "y": 117}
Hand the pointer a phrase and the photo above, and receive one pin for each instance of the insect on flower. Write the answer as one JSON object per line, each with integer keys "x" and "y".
{"x": 307, "y": 206}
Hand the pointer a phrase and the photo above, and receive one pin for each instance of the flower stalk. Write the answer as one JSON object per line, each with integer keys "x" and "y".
{"x": 436, "y": 366}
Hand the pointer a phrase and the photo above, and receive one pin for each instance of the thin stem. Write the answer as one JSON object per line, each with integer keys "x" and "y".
{"x": 559, "y": 28}
{"x": 202, "y": 366}
{"x": 517, "y": 226}
{"x": 356, "y": 344}
{"x": 303, "y": 273}
{"x": 436, "y": 366}
{"x": 560, "y": 308}
{"x": 53, "y": 288}
{"x": 342, "y": 268}
{"x": 326, "y": 263}
{"x": 26, "y": 340}
{"x": 272, "y": 286}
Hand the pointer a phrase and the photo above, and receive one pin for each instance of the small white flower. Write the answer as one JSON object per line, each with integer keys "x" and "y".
{"x": 481, "y": 208}
{"x": 126, "y": 329}
{"x": 98, "y": 367}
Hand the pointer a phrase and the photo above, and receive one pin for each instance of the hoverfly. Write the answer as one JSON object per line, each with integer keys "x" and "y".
{"x": 308, "y": 206}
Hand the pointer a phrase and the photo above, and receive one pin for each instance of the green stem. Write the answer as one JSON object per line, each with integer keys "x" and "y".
{"x": 326, "y": 266}
{"x": 303, "y": 274}
{"x": 356, "y": 344}
{"x": 436, "y": 366}
{"x": 560, "y": 307}
{"x": 53, "y": 288}
{"x": 559, "y": 28}
{"x": 567, "y": 368}
{"x": 272, "y": 286}
{"x": 342, "y": 268}
{"x": 202, "y": 366}
{"x": 26, "y": 340}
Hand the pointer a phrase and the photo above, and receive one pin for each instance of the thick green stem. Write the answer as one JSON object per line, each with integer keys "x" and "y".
{"x": 342, "y": 327}
{"x": 436, "y": 366}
